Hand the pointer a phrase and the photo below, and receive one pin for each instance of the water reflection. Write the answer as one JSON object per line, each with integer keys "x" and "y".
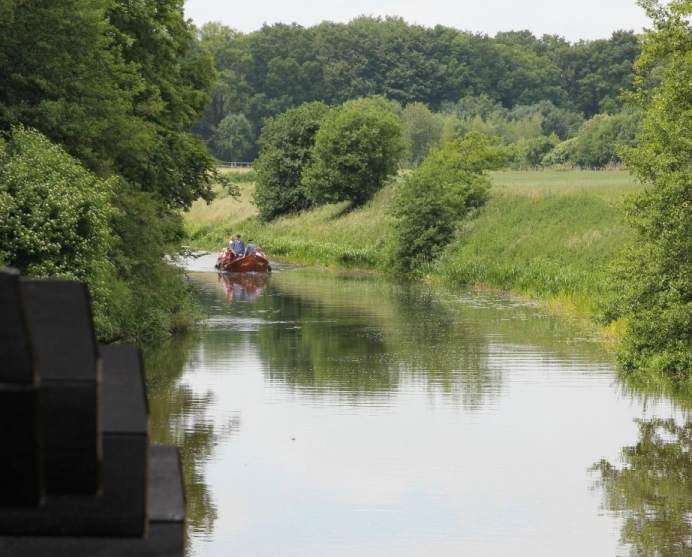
{"x": 341, "y": 415}
{"x": 652, "y": 490}
{"x": 179, "y": 416}
{"x": 243, "y": 287}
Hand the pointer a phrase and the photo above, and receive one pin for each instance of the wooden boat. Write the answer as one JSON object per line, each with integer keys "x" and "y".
{"x": 256, "y": 263}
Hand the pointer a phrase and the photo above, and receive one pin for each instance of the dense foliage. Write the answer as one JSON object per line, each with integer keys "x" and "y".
{"x": 422, "y": 131}
{"x": 601, "y": 140}
{"x": 655, "y": 279}
{"x": 287, "y": 143}
{"x": 118, "y": 84}
{"x": 265, "y": 72}
{"x": 54, "y": 215}
{"x": 358, "y": 146}
{"x": 431, "y": 202}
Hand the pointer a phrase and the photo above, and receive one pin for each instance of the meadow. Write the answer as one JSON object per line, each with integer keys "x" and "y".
{"x": 545, "y": 234}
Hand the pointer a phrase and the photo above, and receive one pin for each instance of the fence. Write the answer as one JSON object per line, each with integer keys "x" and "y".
{"x": 234, "y": 164}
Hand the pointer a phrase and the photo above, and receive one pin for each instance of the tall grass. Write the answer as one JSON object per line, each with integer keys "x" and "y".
{"x": 331, "y": 235}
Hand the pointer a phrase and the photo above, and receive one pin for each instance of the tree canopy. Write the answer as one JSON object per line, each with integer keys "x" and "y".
{"x": 117, "y": 85}
{"x": 358, "y": 146}
{"x": 265, "y": 72}
{"x": 287, "y": 143}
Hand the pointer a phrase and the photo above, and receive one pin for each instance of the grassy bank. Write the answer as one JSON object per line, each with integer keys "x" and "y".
{"x": 545, "y": 234}
{"x": 552, "y": 241}
{"x": 329, "y": 236}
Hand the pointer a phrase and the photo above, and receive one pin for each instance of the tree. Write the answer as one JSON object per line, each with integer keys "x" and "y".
{"x": 287, "y": 143}
{"x": 73, "y": 84}
{"x": 654, "y": 280}
{"x": 601, "y": 139}
{"x": 358, "y": 146}
{"x": 118, "y": 84}
{"x": 529, "y": 152}
{"x": 265, "y": 72}
{"x": 233, "y": 139}
{"x": 54, "y": 216}
{"x": 422, "y": 130}
{"x": 177, "y": 76}
{"x": 430, "y": 204}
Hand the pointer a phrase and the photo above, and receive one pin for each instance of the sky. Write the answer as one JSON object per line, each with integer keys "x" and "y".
{"x": 572, "y": 19}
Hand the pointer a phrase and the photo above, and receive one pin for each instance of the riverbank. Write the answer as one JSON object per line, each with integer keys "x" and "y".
{"x": 548, "y": 235}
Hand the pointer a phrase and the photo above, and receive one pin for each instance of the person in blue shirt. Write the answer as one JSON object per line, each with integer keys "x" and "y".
{"x": 238, "y": 246}
{"x": 251, "y": 249}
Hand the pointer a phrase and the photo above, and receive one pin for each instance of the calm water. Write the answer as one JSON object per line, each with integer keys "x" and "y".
{"x": 326, "y": 415}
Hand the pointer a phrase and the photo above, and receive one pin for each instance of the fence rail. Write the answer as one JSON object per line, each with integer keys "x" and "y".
{"x": 235, "y": 164}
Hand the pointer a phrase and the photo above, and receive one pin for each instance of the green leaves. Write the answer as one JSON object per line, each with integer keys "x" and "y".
{"x": 281, "y": 66}
{"x": 359, "y": 145}
{"x": 654, "y": 278}
{"x": 54, "y": 215}
{"x": 431, "y": 202}
{"x": 287, "y": 143}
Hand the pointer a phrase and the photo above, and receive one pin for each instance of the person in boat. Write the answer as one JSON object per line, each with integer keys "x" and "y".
{"x": 250, "y": 249}
{"x": 238, "y": 246}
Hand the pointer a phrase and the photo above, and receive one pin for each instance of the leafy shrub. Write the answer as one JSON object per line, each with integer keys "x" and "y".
{"x": 54, "y": 216}
{"x": 152, "y": 299}
{"x": 358, "y": 146}
{"x": 601, "y": 139}
{"x": 286, "y": 145}
{"x": 562, "y": 154}
{"x": 529, "y": 153}
{"x": 432, "y": 201}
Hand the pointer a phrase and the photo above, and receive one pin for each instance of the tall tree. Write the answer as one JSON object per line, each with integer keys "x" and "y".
{"x": 656, "y": 276}
{"x": 287, "y": 143}
{"x": 359, "y": 145}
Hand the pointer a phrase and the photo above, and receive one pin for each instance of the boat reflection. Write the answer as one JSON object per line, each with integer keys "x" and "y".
{"x": 243, "y": 287}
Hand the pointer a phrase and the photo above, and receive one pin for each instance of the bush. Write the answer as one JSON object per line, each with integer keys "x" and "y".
{"x": 431, "y": 202}
{"x": 562, "y": 154}
{"x": 601, "y": 139}
{"x": 286, "y": 145}
{"x": 54, "y": 216}
{"x": 152, "y": 298}
{"x": 529, "y": 153}
{"x": 358, "y": 146}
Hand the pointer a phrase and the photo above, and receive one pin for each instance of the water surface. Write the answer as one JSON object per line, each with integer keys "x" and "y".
{"x": 322, "y": 414}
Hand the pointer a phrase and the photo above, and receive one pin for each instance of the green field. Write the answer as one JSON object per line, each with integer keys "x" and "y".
{"x": 546, "y": 234}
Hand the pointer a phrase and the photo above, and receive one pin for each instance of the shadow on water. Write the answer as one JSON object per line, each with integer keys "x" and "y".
{"x": 651, "y": 489}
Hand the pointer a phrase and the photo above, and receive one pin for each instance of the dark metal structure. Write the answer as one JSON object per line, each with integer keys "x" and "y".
{"x": 77, "y": 474}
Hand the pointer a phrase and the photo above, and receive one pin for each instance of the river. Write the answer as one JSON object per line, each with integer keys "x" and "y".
{"x": 323, "y": 414}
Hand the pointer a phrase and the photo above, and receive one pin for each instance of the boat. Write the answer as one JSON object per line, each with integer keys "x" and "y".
{"x": 255, "y": 263}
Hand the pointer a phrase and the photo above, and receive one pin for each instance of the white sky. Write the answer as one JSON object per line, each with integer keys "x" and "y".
{"x": 582, "y": 19}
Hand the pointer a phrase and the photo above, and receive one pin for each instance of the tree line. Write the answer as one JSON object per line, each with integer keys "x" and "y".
{"x": 280, "y": 66}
